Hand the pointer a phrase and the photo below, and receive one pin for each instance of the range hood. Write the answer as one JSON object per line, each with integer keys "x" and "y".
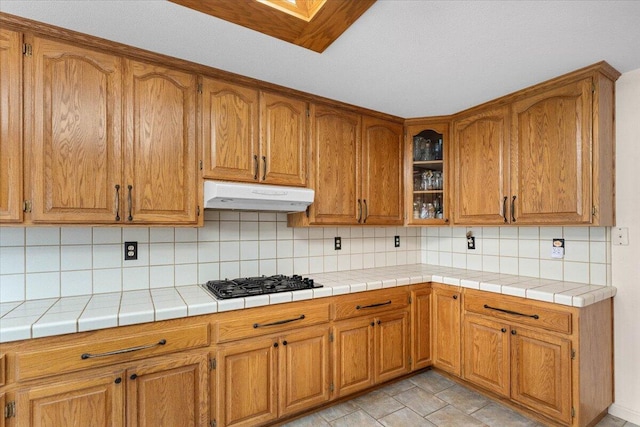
{"x": 255, "y": 197}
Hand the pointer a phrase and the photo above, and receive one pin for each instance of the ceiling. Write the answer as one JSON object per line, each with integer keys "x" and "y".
{"x": 409, "y": 58}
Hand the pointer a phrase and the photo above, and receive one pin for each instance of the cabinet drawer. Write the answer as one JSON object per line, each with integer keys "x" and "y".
{"x": 366, "y": 303}
{"x": 92, "y": 351}
{"x": 265, "y": 320}
{"x": 516, "y": 310}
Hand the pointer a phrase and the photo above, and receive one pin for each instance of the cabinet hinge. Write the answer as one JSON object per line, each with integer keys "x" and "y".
{"x": 593, "y": 88}
{"x": 26, "y": 207}
{"x": 199, "y": 87}
{"x": 200, "y": 164}
{"x": 573, "y": 412}
{"x": 212, "y": 364}
{"x": 10, "y": 410}
{"x": 307, "y": 211}
{"x": 410, "y": 300}
{"x": 573, "y": 354}
{"x": 308, "y": 113}
{"x": 27, "y": 49}
{"x": 331, "y": 387}
{"x": 330, "y": 336}
{"x": 198, "y": 210}
{"x": 410, "y": 362}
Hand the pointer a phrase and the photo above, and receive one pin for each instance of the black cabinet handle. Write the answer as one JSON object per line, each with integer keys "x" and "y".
{"x": 118, "y": 380}
{"x": 502, "y": 310}
{"x": 124, "y": 350}
{"x": 256, "y": 166}
{"x": 504, "y": 209}
{"x": 513, "y": 209}
{"x": 275, "y": 345}
{"x": 278, "y": 322}
{"x": 117, "y": 202}
{"x": 513, "y": 332}
{"x": 366, "y": 211}
{"x": 133, "y": 376}
{"x": 284, "y": 342}
{"x": 379, "y": 304}
{"x": 264, "y": 168}
{"x": 503, "y": 330}
{"x": 359, "y": 210}
{"x": 455, "y": 297}
{"x": 373, "y": 324}
{"x": 130, "y": 201}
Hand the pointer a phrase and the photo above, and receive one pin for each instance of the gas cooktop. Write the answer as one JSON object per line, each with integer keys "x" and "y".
{"x": 249, "y": 286}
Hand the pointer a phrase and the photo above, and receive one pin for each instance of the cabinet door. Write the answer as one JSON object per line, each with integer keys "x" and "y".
{"x": 391, "y": 346}
{"x": 446, "y": 329}
{"x": 421, "y": 328}
{"x": 304, "y": 370}
{"x": 168, "y": 392}
{"x": 11, "y": 126}
{"x": 353, "y": 356}
{"x": 160, "y": 154}
{"x": 95, "y": 400}
{"x": 73, "y": 127}
{"x": 335, "y": 170}
{"x": 382, "y": 195}
{"x": 551, "y": 156}
{"x": 486, "y": 354}
{"x": 481, "y": 167}
{"x": 541, "y": 372}
{"x": 247, "y": 382}
{"x": 283, "y": 140}
{"x": 230, "y": 131}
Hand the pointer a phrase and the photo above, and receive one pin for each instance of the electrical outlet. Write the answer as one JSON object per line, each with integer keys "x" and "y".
{"x": 471, "y": 242}
{"x": 337, "y": 243}
{"x": 396, "y": 241}
{"x": 557, "y": 250}
{"x": 130, "y": 251}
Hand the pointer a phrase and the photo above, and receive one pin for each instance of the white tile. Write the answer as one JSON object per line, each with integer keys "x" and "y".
{"x": 563, "y": 299}
{"x": 322, "y": 292}
{"x": 186, "y": 253}
{"x": 107, "y": 280}
{"x": 230, "y": 216}
{"x": 266, "y": 216}
{"x": 490, "y": 246}
{"x": 301, "y": 266}
{"x": 229, "y": 251}
{"x": 281, "y": 297}
{"x": 576, "y": 251}
{"x": 249, "y": 231}
{"x": 445, "y": 259}
{"x": 135, "y": 234}
{"x": 329, "y": 232}
{"x": 445, "y": 232}
{"x": 208, "y": 271}
{"x": 445, "y": 244}
{"x": 529, "y": 233}
{"x": 508, "y": 248}
{"x": 284, "y": 248}
{"x": 10, "y": 236}
{"x": 43, "y": 236}
{"x": 551, "y": 269}
{"x": 268, "y": 267}
{"x": 249, "y": 250}
{"x": 42, "y": 285}
{"x": 98, "y": 319}
{"x": 134, "y": 278}
{"x": 135, "y": 317}
{"x": 76, "y": 283}
{"x": 186, "y": 234}
{"x": 76, "y": 236}
{"x": 230, "y": 304}
{"x": 316, "y": 264}
{"x": 75, "y": 257}
{"x": 300, "y": 233}
{"x": 285, "y": 266}
{"x": 256, "y": 301}
{"x": 267, "y": 231}
{"x": 576, "y": 233}
{"x": 230, "y": 270}
{"x": 50, "y": 325}
{"x": 344, "y": 262}
{"x": 229, "y": 231}
{"x": 283, "y": 232}
{"x": 106, "y": 235}
{"x": 107, "y": 256}
{"x": 576, "y": 272}
{"x": 491, "y": 232}
{"x": 514, "y": 291}
{"x": 529, "y": 267}
{"x": 598, "y": 252}
{"x": 316, "y": 233}
{"x": 459, "y": 260}
{"x": 14, "y": 330}
{"x": 267, "y": 249}
{"x": 12, "y": 287}
{"x": 208, "y": 251}
{"x": 528, "y": 248}
{"x": 598, "y": 274}
{"x": 301, "y": 295}
{"x": 597, "y": 234}
{"x": 249, "y": 268}
{"x": 433, "y": 257}
{"x": 490, "y": 287}
{"x": 161, "y": 276}
{"x": 540, "y": 295}
{"x": 161, "y": 235}
{"x": 12, "y": 260}
{"x": 186, "y": 274}
{"x": 210, "y": 232}
{"x": 508, "y": 233}
{"x": 550, "y": 233}
{"x": 474, "y": 262}
{"x": 300, "y": 248}
{"x": 508, "y": 265}
{"x": 211, "y": 215}
{"x": 42, "y": 258}
{"x": 161, "y": 253}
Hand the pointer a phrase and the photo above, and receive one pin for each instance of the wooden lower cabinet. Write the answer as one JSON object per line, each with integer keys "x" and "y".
{"x": 421, "y": 327}
{"x": 165, "y": 391}
{"x": 261, "y": 379}
{"x": 446, "y": 328}
{"x": 370, "y": 350}
{"x": 79, "y": 400}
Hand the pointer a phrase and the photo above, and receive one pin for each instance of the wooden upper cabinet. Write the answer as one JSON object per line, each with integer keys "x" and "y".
{"x": 283, "y": 136}
{"x": 160, "y": 145}
{"x": 480, "y": 164}
{"x": 230, "y": 131}
{"x": 253, "y": 136}
{"x": 335, "y": 166}
{"x": 551, "y": 156}
{"x": 11, "y": 126}
{"x": 73, "y": 119}
{"x": 382, "y": 196}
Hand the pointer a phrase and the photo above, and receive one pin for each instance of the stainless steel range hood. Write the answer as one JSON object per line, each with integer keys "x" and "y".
{"x": 233, "y": 195}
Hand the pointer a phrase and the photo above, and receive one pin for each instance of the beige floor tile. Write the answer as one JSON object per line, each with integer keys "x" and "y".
{"x": 496, "y": 415}
{"x": 431, "y": 381}
{"x": 404, "y": 418}
{"x": 452, "y": 417}
{"x": 356, "y": 419}
{"x": 468, "y": 401}
{"x": 420, "y": 401}
{"x": 338, "y": 411}
{"x": 611, "y": 421}
{"x": 398, "y": 387}
{"x": 313, "y": 420}
{"x": 380, "y": 405}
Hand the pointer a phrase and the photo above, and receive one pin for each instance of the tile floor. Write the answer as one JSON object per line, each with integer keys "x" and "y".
{"x": 427, "y": 399}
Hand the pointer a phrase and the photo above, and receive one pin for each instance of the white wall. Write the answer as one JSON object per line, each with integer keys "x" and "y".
{"x": 626, "y": 259}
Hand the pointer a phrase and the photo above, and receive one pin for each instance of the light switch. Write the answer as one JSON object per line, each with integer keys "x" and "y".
{"x": 620, "y": 236}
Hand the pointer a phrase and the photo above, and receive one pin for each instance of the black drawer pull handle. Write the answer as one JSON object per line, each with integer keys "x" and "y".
{"x": 380, "y": 304}
{"x": 279, "y": 322}
{"x": 124, "y": 350}
{"x": 533, "y": 316}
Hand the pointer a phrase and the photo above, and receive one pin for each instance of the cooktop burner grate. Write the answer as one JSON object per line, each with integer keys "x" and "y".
{"x": 249, "y": 286}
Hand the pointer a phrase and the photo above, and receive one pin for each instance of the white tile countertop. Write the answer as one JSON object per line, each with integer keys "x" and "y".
{"x": 56, "y": 316}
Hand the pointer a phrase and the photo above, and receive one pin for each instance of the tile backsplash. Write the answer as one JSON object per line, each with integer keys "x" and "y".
{"x": 46, "y": 262}
{"x": 525, "y": 251}
{"x": 49, "y": 262}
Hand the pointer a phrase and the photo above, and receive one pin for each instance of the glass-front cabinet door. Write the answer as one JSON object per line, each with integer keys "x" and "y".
{"x": 426, "y": 175}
